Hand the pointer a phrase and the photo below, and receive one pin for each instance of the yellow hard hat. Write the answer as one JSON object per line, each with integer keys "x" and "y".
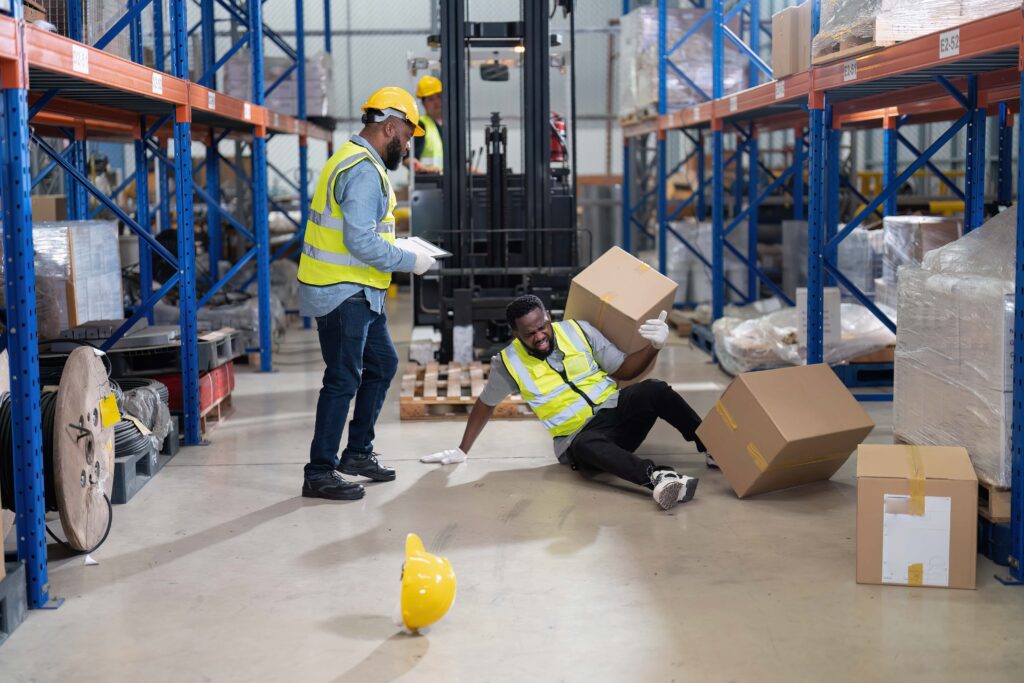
{"x": 428, "y": 85}
{"x": 428, "y": 585}
{"x": 400, "y": 103}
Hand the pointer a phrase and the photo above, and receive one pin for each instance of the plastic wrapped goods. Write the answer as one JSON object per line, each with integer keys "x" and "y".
{"x": 638, "y": 63}
{"x": 78, "y": 274}
{"x": 899, "y": 20}
{"x": 844, "y": 24}
{"x": 98, "y": 17}
{"x": 954, "y": 354}
{"x": 909, "y": 238}
{"x": 237, "y": 82}
{"x": 794, "y": 256}
{"x": 243, "y": 316}
{"x": 860, "y": 259}
{"x": 772, "y": 341}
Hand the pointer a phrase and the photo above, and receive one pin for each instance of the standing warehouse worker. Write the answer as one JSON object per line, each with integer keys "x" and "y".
{"x": 566, "y": 373}
{"x": 345, "y": 269}
{"x": 428, "y": 150}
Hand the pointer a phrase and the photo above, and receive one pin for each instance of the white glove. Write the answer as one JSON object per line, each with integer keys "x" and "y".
{"x": 656, "y": 331}
{"x": 448, "y": 457}
{"x": 423, "y": 263}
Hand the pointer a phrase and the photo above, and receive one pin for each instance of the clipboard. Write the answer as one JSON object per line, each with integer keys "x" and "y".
{"x": 420, "y": 245}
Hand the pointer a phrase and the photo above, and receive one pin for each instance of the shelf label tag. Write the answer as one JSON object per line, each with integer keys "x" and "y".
{"x": 732, "y": 104}
{"x": 780, "y": 89}
{"x": 247, "y": 111}
{"x": 949, "y": 44}
{"x": 850, "y": 70}
{"x": 79, "y": 59}
{"x": 696, "y": 112}
{"x": 277, "y": 120}
{"x": 211, "y": 101}
{"x": 158, "y": 84}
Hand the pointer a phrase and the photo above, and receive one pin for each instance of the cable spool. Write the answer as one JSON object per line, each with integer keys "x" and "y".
{"x": 78, "y": 450}
{"x": 127, "y": 384}
{"x": 129, "y": 441}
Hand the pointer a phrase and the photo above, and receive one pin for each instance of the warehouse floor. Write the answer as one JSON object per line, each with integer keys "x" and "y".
{"x": 219, "y": 571}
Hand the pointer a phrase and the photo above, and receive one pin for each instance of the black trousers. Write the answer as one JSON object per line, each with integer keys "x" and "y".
{"x": 607, "y": 443}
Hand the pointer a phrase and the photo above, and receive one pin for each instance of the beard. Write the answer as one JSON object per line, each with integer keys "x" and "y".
{"x": 393, "y": 154}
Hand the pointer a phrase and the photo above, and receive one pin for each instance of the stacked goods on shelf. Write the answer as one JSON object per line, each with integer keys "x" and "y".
{"x": 850, "y": 27}
{"x": 638, "y": 63}
{"x": 791, "y": 40}
{"x": 237, "y": 82}
{"x": 954, "y": 355}
{"x": 690, "y": 273}
{"x": 243, "y": 316}
{"x": 906, "y": 241}
{"x": 78, "y": 274}
{"x": 860, "y": 259}
{"x": 98, "y": 17}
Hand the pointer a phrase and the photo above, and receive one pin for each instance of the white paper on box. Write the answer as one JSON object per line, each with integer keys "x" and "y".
{"x": 916, "y": 539}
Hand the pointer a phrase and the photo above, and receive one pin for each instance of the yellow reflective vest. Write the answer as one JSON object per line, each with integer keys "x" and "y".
{"x": 562, "y": 403}
{"x": 433, "y": 149}
{"x": 325, "y": 260}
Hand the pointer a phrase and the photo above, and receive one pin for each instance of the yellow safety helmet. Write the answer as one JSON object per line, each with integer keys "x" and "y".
{"x": 395, "y": 101}
{"x": 428, "y": 85}
{"x": 428, "y": 585}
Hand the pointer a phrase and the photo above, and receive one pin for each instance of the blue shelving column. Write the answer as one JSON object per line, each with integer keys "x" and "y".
{"x": 22, "y": 341}
{"x": 1017, "y": 494}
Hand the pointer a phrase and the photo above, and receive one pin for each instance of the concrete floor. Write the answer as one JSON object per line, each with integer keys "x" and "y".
{"x": 219, "y": 571}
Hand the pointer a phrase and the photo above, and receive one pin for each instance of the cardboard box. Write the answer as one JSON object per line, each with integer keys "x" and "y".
{"x": 616, "y": 294}
{"x": 49, "y": 207}
{"x": 917, "y": 516}
{"x": 886, "y": 355}
{"x": 791, "y": 40}
{"x": 780, "y": 428}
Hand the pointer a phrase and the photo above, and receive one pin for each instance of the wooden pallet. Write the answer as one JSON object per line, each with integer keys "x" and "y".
{"x": 993, "y": 502}
{"x": 847, "y": 52}
{"x": 214, "y": 415}
{"x": 448, "y": 392}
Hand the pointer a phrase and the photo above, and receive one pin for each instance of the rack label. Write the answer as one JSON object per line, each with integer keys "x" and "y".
{"x": 780, "y": 89}
{"x": 247, "y": 111}
{"x": 732, "y": 104}
{"x": 696, "y": 112}
{"x": 850, "y": 70}
{"x": 158, "y": 84}
{"x": 211, "y": 101}
{"x": 949, "y": 44}
{"x": 79, "y": 59}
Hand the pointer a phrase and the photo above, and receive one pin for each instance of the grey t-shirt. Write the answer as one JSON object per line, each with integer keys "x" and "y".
{"x": 608, "y": 356}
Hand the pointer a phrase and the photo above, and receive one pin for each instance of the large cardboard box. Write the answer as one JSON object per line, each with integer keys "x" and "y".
{"x": 49, "y": 207}
{"x": 780, "y": 428}
{"x": 616, "y": 294}
{"x": 917, "y": 512}
{"x": 791, "y": 40}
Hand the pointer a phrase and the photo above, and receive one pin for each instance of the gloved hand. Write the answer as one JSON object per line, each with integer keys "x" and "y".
{"x": 423, "y": 263}
{"x": 448, "y": 457}
{"x": 656, "y": 331}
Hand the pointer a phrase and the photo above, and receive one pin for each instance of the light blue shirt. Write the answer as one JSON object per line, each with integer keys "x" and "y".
{"x": 358, "y": 192}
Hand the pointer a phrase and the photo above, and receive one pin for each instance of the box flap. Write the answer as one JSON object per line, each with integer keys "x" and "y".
{"x": 625, "y": 283}
{"x": 807, "y": 401}
{"x": 895, "y": 462}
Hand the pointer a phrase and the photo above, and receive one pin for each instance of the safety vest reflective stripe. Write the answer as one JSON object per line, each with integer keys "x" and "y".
{"x": 594, "y": 393}
{"x": 433, "y": 149}
{"x": 569, "y": 413}
{"x": 331, "y": 257}
{"x": 332, "y": 223}
{"x": 515, "y": 364}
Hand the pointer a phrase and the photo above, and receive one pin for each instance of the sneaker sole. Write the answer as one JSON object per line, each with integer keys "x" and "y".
{"x": 314, "y": 494}
{"x": 666, "y": 494}
{"x": 373, "y": 477}
{"x": 689, "y": 490}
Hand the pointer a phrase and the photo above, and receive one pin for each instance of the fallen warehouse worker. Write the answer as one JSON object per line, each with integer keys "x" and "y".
{"x": 566, "y": 373}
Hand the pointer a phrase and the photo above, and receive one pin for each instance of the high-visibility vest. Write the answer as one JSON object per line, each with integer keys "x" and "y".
{"x": 325, "y": 260}
{"x": 563, "y": 404}
{"x": 433, "y": 149}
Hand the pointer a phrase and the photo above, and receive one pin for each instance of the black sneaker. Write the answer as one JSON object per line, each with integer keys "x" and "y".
{"x": 332, "y": 487}
{"x": 365, "y": 466}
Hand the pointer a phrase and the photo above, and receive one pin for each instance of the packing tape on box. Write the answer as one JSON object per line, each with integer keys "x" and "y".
{"x": 915, "y": 574}
{"x": 916, "y": 482}
{"x": 762, "y": 464}
{"x": 726, "y": 416}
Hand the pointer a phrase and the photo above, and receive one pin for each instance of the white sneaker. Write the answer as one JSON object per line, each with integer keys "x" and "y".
{"x": 671, "y": 487}
{"x": 710, "y": 462}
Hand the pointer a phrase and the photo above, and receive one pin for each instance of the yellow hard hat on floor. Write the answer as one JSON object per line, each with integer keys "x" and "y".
{"x": 395, "y": 101}
{"x": 428, "y": 85}
{"x": 428, "y": 585}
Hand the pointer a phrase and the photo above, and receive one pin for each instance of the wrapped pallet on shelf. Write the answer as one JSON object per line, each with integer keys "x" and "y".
{"x": 237, "y": 82}
{"x": 638, "y": 65}
{"x": 98, "y": 17}
{"x": 954, "y": 354}
{"x": 906, "y": 241}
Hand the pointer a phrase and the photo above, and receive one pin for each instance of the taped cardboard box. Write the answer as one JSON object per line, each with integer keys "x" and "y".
{"x": 917, "y": 510}
{"x": 780, "y": 428}
{"x": 616, "y": 294}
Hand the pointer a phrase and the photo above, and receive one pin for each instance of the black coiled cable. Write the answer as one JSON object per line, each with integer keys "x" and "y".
{"x": 129, "y": 383}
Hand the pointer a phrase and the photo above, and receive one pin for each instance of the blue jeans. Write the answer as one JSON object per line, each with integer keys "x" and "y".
{"x": 361, "y": 362}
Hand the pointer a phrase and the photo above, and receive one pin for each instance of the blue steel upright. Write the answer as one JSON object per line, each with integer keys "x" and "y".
{"x": 1017, "y": 476}
{"x": 815, "y": 232}
{"x": 662, "y": 181}
{"x": 974, "y": 207}
{"x": 261, "y": 226}
{"x": 890, "y": 165}
{"x": 718, "y": 168}
{"x": 142, "y": 216}
{"x": 753, "y": 284}
{"x": 22, "y": 340}
{"x": 1005, "y": 184}
{"x": 186, "y": 231}
{"x": 799, "y": 160}
{"x": 300, "y": 49}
